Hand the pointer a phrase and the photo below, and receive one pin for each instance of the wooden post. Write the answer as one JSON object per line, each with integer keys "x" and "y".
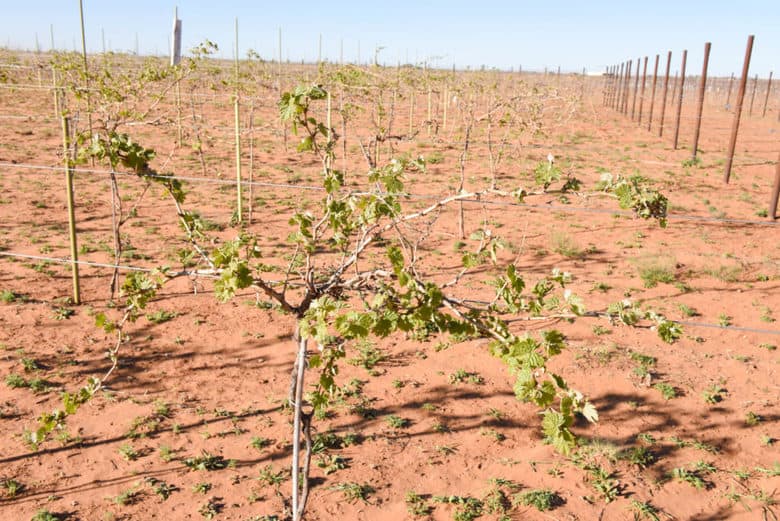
{"x": 652, "y": 95}
{"x": 768, "y": 89}
{"x": 666, "y": 89}
{"x": 74, "y": 251}
{"x": 680, "y": 98}
{"x": 738, "y": 109}
{"x": 239, "y": 198}
{"x": 775, "y": 192}
{"x": 642, "y": 94}
{"x": 753, "y": 95}
{"x": 619, "y": 88}
{"x": 700, "y": 106}
{"x": 626, "y": 87}
{"x": 636, "y": 88}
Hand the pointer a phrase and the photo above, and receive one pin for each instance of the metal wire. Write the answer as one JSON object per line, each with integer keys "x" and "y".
{"x": 546, "y": 207}
{"x": 61, "y": 260}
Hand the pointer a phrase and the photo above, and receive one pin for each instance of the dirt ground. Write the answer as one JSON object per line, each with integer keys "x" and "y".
{"x": 200, "y": 378}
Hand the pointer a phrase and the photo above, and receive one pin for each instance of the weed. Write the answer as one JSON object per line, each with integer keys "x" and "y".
{"x": 127, "y": 452}
{"x": 563, "y": 244}
{"x": 332, "y": 463}
{"x": 642, "y": 457}
{"x": 752, "y": 419}
{"x": 644, "y": 510}
{"x": 207, "y": 461}
{"x": 201, "y": 488}
{"x": 467, "y": 508}
{"x": 45, "y": 515}
{"x": 355, "y": 491}
{"x": 12, "y": 487}
{"x": 461, "y": 376}
{"x": 270, "y": 477}
{"x": 369, "y": 355}
{"x": 667, "y": 391}
{"x": 416, "y": 505}
{"x": 396, "y": 422}
{"x": 713, "y": 394}
{"x": 541, "y": 499}
{"x": 259, "y": 443}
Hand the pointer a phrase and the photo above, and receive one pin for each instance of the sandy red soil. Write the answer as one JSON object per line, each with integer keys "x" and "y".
{"x": 222, "y": 370}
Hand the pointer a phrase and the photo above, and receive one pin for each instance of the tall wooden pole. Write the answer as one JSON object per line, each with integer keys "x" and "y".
{"x": 680, "y": 98}
{"x": 239, "y": 195}
{"x": 738, "y": 109}
{"x": 666, "y": 89}
{"x": 700, "y": 105}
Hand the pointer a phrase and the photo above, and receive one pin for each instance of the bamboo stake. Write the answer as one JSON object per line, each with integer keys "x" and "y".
{"x": 74, "y": 253}
{"x": 239, "y": 198}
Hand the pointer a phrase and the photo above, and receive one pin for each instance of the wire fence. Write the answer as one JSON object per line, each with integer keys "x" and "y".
{"x": 431, "y": 197}
{"x": 124, "y": 267}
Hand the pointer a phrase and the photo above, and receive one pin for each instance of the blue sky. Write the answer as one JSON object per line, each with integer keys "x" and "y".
{"x": 538, "y": 34}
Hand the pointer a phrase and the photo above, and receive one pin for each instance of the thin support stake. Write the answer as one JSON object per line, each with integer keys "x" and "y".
{"x": 642, "y": 94}
{"x": 775, "y": 192}
{"x": 666, "y": 90}
{"x": 700, "y": 106}
{"x": 652, "y": 95}
{"x": 738, "y": 109}
{"x": 636, "y": 88}
{"x": 680, "y": 98}
{"x": 86, "y": 67}
{"x": 766, "y": 98}
{"x": 74, "y": 251}
{"x": 753, "y": 95}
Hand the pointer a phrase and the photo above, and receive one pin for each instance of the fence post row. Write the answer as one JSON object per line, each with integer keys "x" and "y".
{"x": 738, "y": 109}
{"x": 700, "y": 107}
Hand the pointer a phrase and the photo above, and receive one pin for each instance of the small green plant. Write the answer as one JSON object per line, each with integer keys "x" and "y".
{"x": 713, "y": 394}
{"x": 467, "y": 508}
{"x": 461, "y": 376}
{"x": 161, "y": 488}
{"x": 667, "y": 391}
{"x": 207, "y": 461}
{"x": 259, "y": 443}
{"x": 368, "y": 355}
{"x": 687, "y": 310}
{"x": 45, "y": 515}
{"x": 564, "y": 245}
{"x": 541, "y": 499}
{"x": 355, "y": 491}
{"x": 642, "y": 457}
{"x": 166, "y": 453}
{"x": 271, "y": 477}
{"x": 752, "y": 419}
{"x": 644, "y": 511}
{"x": 159, "y": 317}
{"x": 127, "y": 497}
{"x": 127, "y": 452}
{"x": 416, "y": 505}
{"x": 396, "y": 422}
{"x": 332, "y": 463}
{"x": 696, "y": 475}
{"x": 12, "y": 487}
{"x": 201, "y": 488}
{"x": 211, "y": 509}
